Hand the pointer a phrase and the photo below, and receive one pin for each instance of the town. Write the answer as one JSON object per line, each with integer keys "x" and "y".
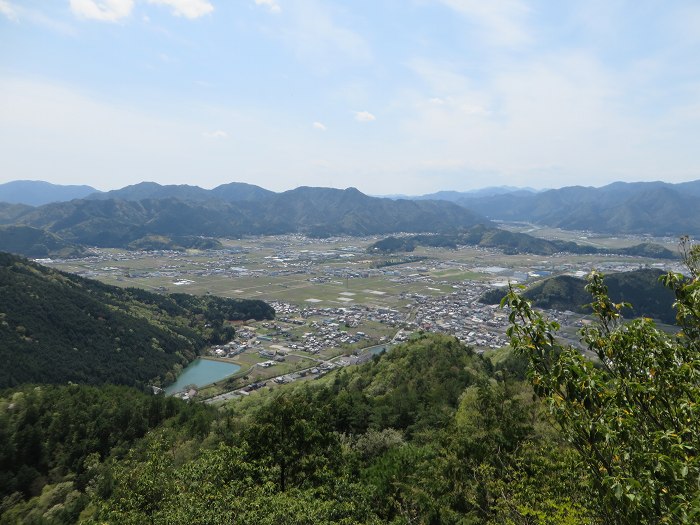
{"x": 336, "y": 304}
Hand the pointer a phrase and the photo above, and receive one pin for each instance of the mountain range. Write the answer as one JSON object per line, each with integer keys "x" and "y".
{"x": 137, "y": 214}
{"x": 232, "y": 211}
{"x": 656, "y": 208}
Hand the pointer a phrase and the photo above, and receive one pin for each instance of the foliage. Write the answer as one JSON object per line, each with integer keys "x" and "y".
{"x": 425, "y": 433}
{"x": 633, "y": 416}
{"x": 54, "y": 442}
{"x": 57, "y": 327}
{"x": 640, "y": 289}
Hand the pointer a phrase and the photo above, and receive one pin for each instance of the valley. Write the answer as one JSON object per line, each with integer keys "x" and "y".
{"x": 333, "y": 299}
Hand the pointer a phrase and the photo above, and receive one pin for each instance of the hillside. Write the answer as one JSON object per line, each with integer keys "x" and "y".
{"x": 56, "y": 327}
{"x": 36, "y": 243}
{"x": 510, "y": 243}
{"x": 316, "y": 212}
{"x": 427, "y": 427}
{"x": 655, "y": 208}
{"x": 641, "y": 288}
{"x": 36, "y": 192}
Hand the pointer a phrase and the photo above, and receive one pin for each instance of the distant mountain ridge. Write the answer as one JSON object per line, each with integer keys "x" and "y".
{"x": 232, "y": 192}
{"x": 656, "y": 208}
{"x": 37, "y": 193}
{"x": 317, "y": 212}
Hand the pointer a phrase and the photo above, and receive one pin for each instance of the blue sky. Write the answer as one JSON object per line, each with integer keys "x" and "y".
{"x": 389, "y": 96}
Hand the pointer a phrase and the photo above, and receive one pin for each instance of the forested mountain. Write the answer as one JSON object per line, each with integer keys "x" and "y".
{"x": 56, "y": 327}
{"x": 642, "y": 288}
{"x": 510, "y": 243}
{"x": 36, "y": 192}
{"x": 656, "y": 208}
{"x": 36, "y": 243}
{"x": 427, "y": 431}
{"x": 312, "y": 211}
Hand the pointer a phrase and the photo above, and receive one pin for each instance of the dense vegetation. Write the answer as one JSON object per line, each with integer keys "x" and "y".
{"x": 176, "y": 243}
{"x": 510, "y": 242}
{"x": 57, "y": 327}
{"x": 36, "y": 243}
{"x": 642, "y": 289}
{"x": 633, "y": 415}
{"x": 427, "y": 433}
{"x": 57, "y": 444}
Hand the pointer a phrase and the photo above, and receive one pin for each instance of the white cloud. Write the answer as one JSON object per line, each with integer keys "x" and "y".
{"x": 364, "y": 116}
{"x": 218, "y": 134}
{"x": 187, "y": 8}
{"x": 271, "y": 5}
{"x": 7, "y": 9}
{"x": 501, "y": 21}
{"x": 104, "y": 10}
{"x": 319, "y": 126}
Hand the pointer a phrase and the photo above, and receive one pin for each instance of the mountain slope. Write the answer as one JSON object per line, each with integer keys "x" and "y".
{"x": 36, "y": 243}
{"x": 56, "y": 327}
{"x": 656, "y": 208}
{"x": 641, "y": 288}
{"x": 36, "y": 192}
{"x": 312, "y": 211}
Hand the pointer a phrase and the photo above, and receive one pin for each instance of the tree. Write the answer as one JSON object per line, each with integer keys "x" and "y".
{"x": 634, "y": 414}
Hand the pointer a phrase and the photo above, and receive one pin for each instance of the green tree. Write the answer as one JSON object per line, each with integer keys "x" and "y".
{"x": 633, "y": 414}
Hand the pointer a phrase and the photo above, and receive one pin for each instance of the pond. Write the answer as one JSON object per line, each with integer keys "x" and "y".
{"x": 201, "y": 372}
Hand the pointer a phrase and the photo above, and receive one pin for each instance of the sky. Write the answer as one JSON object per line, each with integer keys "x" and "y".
{"x": 388, "y": 96}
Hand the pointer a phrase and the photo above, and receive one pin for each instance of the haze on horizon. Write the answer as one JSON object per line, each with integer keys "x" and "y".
{"x": 390, "y": 97}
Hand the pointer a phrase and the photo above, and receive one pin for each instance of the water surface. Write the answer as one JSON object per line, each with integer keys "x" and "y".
{"x": 201, "y": 372}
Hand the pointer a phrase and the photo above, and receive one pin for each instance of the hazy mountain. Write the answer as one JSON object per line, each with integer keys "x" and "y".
{"x": 457, "y": 196}
{"x": 240, "y": 191}
{"x": 57, "y": 327}
{"x": 657, "y": 208}
{"x": 312, "y": 211}
{"x": 36, "y": 192}
{"x": 232, "y": 192}
{"x": 454, "y": 196}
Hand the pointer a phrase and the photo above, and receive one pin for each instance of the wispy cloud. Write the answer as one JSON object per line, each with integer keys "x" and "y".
{"x": 271, "y": 5}
{"x": 104, "y": 11}
{"x": 364, "y": 116}
{"x": 187, "y": 8}
{"x": 502, "y": 22}
{"x": 218, "y": 134}
{"x": 7, "y": 9}
{"x": 319, "y": 126}
{"x": 320, "y": 35}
